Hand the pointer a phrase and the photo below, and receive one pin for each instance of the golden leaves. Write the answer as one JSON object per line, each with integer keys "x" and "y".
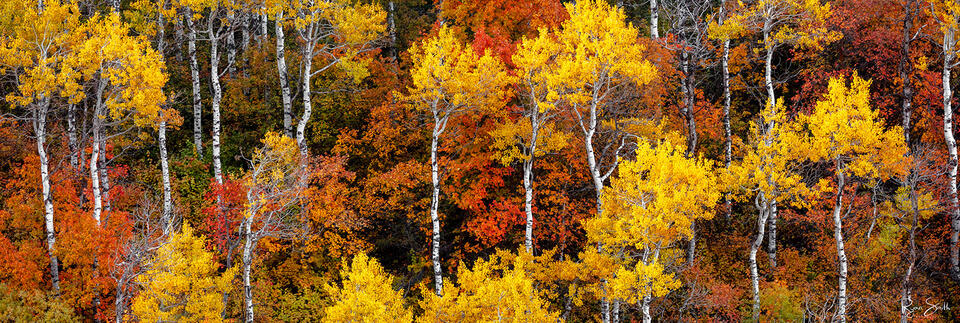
{"x": 367, "y": 295}
{"x": 448, "y": 75}
{"x": 183, "y": 283}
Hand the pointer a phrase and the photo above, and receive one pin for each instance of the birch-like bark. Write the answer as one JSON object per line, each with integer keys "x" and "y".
{"x": 654, "y": 20}
{"x": 772, "y": 100}
{"x": 727, "y": 139}
{"x": 841, "y": 252}
{"x": 217, "y": 95}
{"x": 282, "y": 72}
{"x": 439, "y": 125}
{"x": 528, "y": 178}
{"x": 40, "y": 129}
{"x": 948, "y": 56}
{"x": 647, "y": 298}
{"x": 162, "y": 137}
{"x": 763, "y": 205}
{"x": 392, "y": 28}
{"x": 307, "y": 98}
{"x": 97, "y": 131}
{"x": 247, "y": 266}
{"x": 195, "y": 82}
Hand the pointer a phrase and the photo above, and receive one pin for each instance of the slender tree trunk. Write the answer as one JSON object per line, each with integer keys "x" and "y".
{"x": 772, "y": 101}
{"x": 162, "y": 136}
{"x": 772, "y": 234}
{"x": 905, "y": 70}
{"x": 217, "y": 95}
{"x": 528, "y": 177}
{"x": 105, "y": 176}
{"x": 948, "y": 44}
{"x": 727, "y": 142}
{"x": 439, "y": 123}
{"x": 195, "y": 81}
{"x": 165, "y": 174}
{"x": 654, "y": 20}
{"x": 392, "y": 28}
{"x": 307, "y": 103}
{"x": 40, "y": 129}
{"x": 763, "y": 205}
{"x": 647, "y": 297}
{"x": 95, "y": 155}
{"x": 689, "y": 98}
{"x": 597, "y": 178}
{"x": 72, "y": 135}
{"x": 231, "y": 41}
{"x": 905, "y": 290}
{"x": 841, "y": 252}
{"x": 768, "y": 68}
{"x": 282, "y": 72}
{"x": 247, "y": 265}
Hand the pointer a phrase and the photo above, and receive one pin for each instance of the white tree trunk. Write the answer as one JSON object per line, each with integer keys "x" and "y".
{"x": 165, "y": 176}
{"x": 282, "y": 72}
{"x": 217, "y": 95}
{"x": 654, "y": 20}
{"x": 40, "y": 129}
{"x": 247, "y": 266}
{"x": 528, "y": 177}
{"x": 439, "y": 124}
{"x": 728, "y": 140}
{"x": 95, "y": 154}
{"x": 307, "y": 103}
{"x": 948, "y": 52}
{"x": 763, "y": 206}
{"x": 195, "y": 82}
{"x": 841, "y": 252}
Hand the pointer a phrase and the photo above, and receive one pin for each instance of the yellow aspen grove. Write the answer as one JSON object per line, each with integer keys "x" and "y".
{"x": 182, "y": 283}
{"x": 451, "y": 79}
{"x": 533, "y": 136}
{"x": 769, "y": 172}
{"x": 846, "y": 133}
{"x": 35, "y": 41}
{"x": 332, "y": 33}
{"x": 800, "y": 23}
{"x": 599, "y": 61}
{"x": 649, "y": 207}
{"x": 367, "y": 295}
{"x": 494, "y": 290}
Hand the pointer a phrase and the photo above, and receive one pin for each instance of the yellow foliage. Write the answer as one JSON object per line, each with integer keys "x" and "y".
{"x": 800, "y": 22}
{"x": 654, "y": 199}
{"x": 182, "y": 284}
{"x": 35, "y": 44}
{"x": 598, "y": 51}
{"x": 493, "y": 291}
{"x": 845, "y": 130}
{"x": 449, "y": 76}
{"x": 647, "y": 208}
{"x": 366, "y": 296}
{"x": 773, "y": 159}
{"x": 131, "y": 70}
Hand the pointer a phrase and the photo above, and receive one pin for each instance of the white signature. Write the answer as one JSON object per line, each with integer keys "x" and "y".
{"x": 927, "y": 308}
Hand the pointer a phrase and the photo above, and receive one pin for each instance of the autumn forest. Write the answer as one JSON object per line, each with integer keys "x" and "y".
{"x": 479, "y": 161}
